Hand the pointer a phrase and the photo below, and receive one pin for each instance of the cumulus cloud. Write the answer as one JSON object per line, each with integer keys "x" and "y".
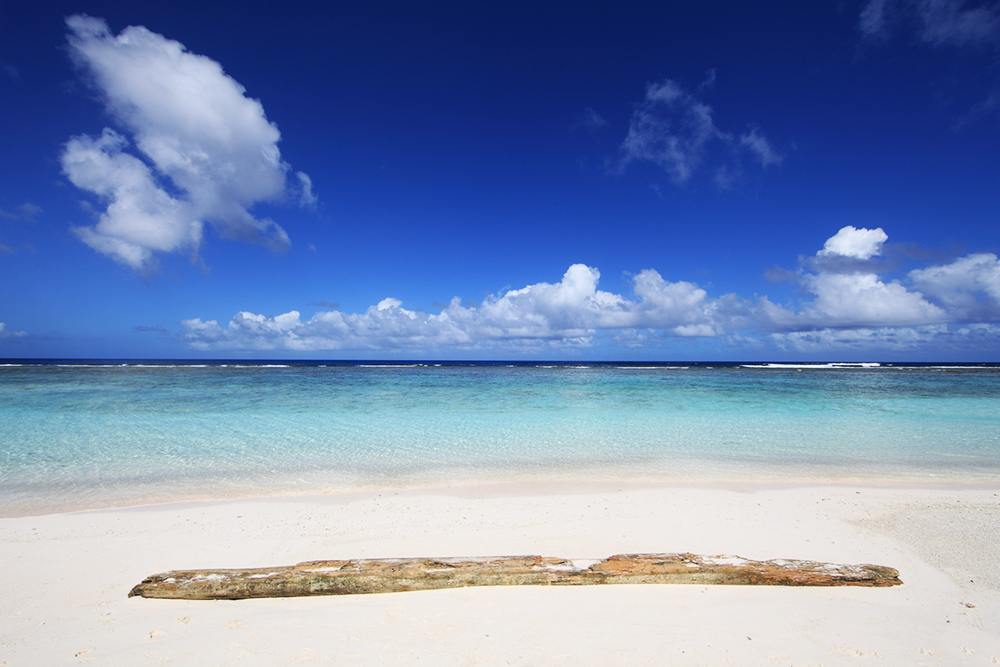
{"x": 675, "y": 130}
{"x": 847, "y": 307}
{"x": 846, "y": 291}
{"x": 141, "y": 217}
{"x": 571, "y": 312}
{"x": 862, "y": 299}
{"x": 855, "y": 243}
{"x": 968, "y": 287}
{"x": 205, "y": 153}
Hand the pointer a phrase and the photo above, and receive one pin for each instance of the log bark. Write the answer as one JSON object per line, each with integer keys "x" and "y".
{"x": 392, "y": 575}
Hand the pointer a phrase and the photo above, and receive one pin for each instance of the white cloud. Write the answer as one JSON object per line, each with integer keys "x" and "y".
{"x": 141, "y": 217}
{"x": 681, "y": 307}
{"x": 208, "y": 152}
{"x": 856, "y": 243}
{"x": 861, "y": 299}
{"x": 571, "y": 312}
{"x": 847, "y": 307}
{"x": 969, "y": 287}
{"x": 847, "y": 292}
{"x": 675, "y": 130}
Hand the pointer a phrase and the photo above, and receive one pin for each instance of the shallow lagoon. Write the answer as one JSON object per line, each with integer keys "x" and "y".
{"x": 98, "y": 434}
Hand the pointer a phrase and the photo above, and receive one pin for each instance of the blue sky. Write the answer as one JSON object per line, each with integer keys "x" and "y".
{"x": 660, "y": 181}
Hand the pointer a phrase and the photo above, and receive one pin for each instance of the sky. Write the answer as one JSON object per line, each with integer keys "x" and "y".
{"x": 510, "y": 180}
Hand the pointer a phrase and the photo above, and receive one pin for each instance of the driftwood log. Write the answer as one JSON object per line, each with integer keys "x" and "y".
{"x": 393, "y": 575}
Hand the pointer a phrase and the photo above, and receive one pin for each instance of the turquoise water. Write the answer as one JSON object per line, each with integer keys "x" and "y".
{"x": 111, "y": 434}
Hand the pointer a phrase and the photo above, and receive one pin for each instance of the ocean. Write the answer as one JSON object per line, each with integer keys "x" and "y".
{"x": 77, "y": 434}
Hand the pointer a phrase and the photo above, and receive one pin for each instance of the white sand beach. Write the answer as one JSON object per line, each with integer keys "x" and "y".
{"x": 64, "y": 579}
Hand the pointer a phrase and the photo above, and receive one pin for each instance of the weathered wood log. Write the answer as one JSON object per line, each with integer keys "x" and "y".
{"x": 392, "y": 575}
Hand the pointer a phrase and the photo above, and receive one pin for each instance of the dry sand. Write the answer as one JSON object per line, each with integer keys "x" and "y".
{"x": 64, "y": 579}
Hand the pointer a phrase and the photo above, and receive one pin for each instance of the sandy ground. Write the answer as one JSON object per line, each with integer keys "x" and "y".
{"x": 64, "y": 580}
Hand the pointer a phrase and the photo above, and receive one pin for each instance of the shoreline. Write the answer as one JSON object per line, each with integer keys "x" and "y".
{"x": 497, "y": 485}
{"x": 64, "y": 578}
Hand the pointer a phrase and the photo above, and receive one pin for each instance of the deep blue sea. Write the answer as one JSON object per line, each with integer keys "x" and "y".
{"x": 79, "y": 434}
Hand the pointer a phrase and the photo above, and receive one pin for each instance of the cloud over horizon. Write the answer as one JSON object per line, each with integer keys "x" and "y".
{"x": 5, "y": 333}
{"x": 567, "y": 313}
{"x": 843, "y": 309}
{"x": 205, "y": 153}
